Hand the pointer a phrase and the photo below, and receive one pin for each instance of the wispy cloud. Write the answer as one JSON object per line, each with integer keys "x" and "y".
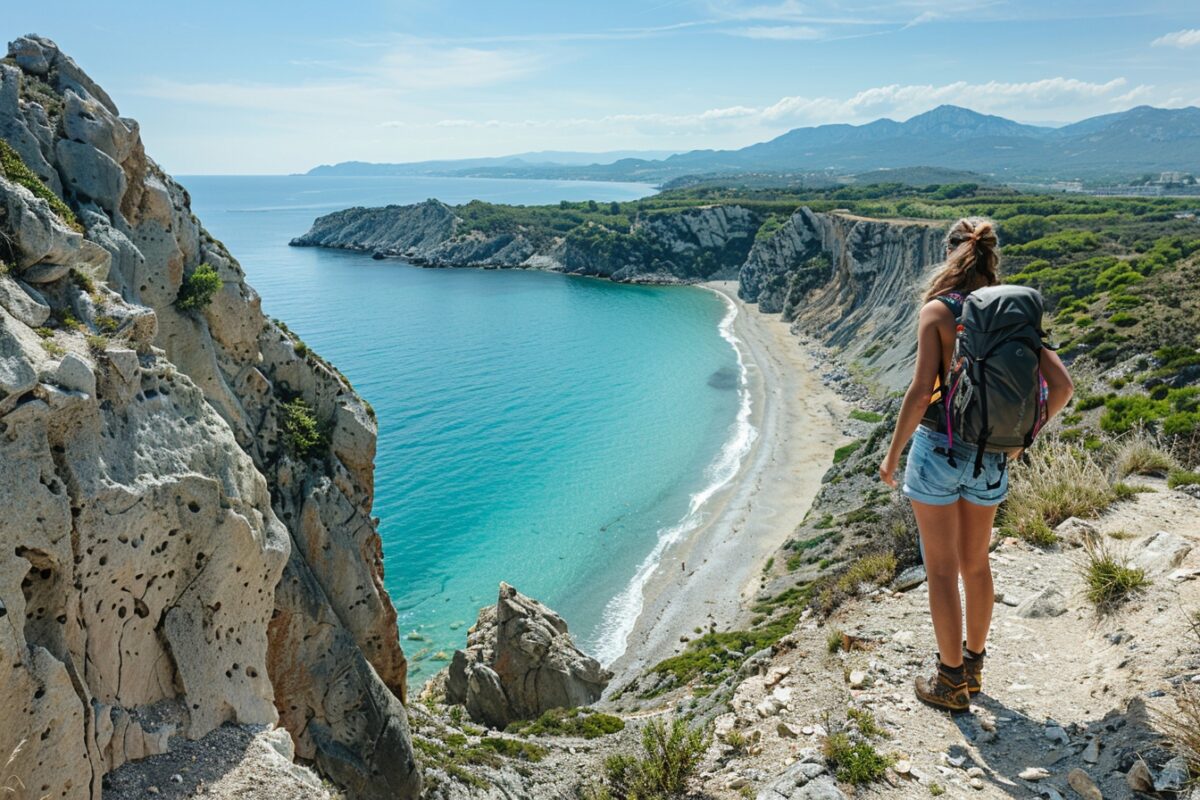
{"x": 782, "y": 32}
{"x": 895, "y": 100}
{"x": 409, "y": 66}
{"x": 1188, "y": 37}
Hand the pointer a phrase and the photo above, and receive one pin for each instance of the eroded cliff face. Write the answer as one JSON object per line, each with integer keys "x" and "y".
{"x": 695, "y": 244}
{"x": 170, "y": 564}
{"x": 850, "y": 282}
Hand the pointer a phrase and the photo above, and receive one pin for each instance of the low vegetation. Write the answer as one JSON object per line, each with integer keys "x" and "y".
{"x": 1108, "y": 577}
{"x": 1182, "y": 728}
{"x": 1059, "y": 481}
{"x": 1181, "y": 477}
{"x": 670, "y": 755}
{"x": 582, "y": 722}
{"x": 1142, "y": 454}
{"x": 15, "y": 170}
{"x": 302, "y": 434}
{"x": 455, "y": 754}
{"x": 198, "y": 287}
{"x": 851, "y": 753}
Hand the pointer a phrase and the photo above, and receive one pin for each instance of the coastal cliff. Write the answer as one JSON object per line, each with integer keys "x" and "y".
{"x": 686, "y": 246}
{"x": 850, "y": 282}
{"x": 177, "y": 556}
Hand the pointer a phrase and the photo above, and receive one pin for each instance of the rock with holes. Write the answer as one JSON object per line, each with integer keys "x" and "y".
{"x": 519, "y": 662}
{"x": 147, "y": 483}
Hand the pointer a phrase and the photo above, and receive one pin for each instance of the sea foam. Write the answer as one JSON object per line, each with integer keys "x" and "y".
{"x": 622, "y": 611}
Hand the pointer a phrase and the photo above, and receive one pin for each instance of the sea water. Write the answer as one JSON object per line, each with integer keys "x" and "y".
{"x": 554, "y": 432}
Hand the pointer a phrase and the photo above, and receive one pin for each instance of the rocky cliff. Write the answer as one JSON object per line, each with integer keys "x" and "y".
{"x": 850, "y": 282}
{"x": 693, "y": 244}
{"x": 173, "y": 561}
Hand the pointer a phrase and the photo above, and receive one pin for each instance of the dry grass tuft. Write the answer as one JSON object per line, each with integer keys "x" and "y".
{"x": 1140, "y": 453}
{"x": 1060, "y": 481}
{"x": 1182, "y": 728}
{"x": 1108, "y": 577}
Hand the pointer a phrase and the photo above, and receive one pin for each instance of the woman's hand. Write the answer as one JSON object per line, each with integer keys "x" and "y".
{"x": 887, "y": 470}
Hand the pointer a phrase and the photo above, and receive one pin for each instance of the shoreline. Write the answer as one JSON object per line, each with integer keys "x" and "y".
{"x": 797, "y": 423}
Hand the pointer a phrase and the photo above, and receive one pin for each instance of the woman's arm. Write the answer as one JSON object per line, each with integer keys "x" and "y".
{"x": 916, "y": 399}
{"x": 1058, "y": 382}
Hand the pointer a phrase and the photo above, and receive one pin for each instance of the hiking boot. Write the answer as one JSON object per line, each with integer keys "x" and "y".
{"x": 945, "y": 689}
{"x": 973, "y": 670}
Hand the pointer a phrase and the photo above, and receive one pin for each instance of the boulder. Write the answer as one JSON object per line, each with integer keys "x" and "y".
{"x": 23, "y": 302}
{"x": 1049, "y": 602}
{"x": 519, "y": 662}
{"x": 75, "y": 374}
{"x": 1160, "y": 553}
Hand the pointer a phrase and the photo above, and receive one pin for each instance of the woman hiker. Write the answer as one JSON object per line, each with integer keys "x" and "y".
{"x": 954, "y": 494}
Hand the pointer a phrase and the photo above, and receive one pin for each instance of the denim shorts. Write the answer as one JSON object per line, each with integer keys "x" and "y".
{"x": 930, "y": 478}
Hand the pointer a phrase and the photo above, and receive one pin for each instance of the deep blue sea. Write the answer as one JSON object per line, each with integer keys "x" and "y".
{"x": 549, "y": 431}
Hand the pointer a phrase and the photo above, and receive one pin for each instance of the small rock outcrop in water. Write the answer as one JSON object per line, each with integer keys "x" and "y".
{"x": 520, "y": 662}
{"x": 170, "y": 564}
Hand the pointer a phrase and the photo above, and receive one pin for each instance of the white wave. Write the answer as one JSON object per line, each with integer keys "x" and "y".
{"x": 622, "y": 611}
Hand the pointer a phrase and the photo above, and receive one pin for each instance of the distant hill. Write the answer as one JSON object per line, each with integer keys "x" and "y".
{"x": 534, "y": 160}
{"x": 1104, "y": 148}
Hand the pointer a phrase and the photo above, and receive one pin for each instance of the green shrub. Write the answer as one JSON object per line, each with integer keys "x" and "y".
{"x": 669, "y": 758}
{"x": 845, "y": 451}
{"x": 83, "y": 281}
{"x": 854, "y": 762}
{"x": 511, "y": 748}
{"x": 302, "y": 435}
{"x": 198, "y": 287}
{"x": 582, "y": 722}
{"x": 13, "y": 168}
{"x": 1176, "y": 410}
{"x": 874, "y": 568}
{"x": 866, "y": 416}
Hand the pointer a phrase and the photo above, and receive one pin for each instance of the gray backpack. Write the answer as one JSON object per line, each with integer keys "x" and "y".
{"x": 996, "y": 398}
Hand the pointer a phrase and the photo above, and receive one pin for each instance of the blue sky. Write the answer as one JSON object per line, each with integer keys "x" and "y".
{"x": 237, "y": 86}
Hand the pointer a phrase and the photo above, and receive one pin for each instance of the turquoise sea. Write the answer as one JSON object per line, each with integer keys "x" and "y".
{"x": 550, "y": 431}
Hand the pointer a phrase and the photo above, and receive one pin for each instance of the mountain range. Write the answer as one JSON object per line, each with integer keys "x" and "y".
{"x": 1108, "y": 147}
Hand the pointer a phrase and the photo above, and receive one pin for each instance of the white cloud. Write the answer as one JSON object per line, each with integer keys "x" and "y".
{"x": 788, "y": 10}
{"x": 782, "y": 32}
{"x": 896, "y": 100}
{"x": 407, "y": 67}
{"x": 1188, "y": 37}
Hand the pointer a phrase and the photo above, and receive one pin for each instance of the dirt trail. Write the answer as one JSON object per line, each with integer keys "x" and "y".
{"x": 1064, "y": 688}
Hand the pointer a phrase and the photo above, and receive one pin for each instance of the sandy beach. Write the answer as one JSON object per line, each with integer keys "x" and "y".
{"x": 797, "y": 419}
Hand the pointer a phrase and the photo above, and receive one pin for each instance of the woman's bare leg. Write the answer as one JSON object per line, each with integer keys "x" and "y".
{"x": 974, "y": 539}
{"x": 939, "y": 527}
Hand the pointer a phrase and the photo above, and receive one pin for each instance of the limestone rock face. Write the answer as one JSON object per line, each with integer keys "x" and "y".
{"x": 170, "y": 565}
{"x": 850, "y": 281}
{"x": 519, "y": 662}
